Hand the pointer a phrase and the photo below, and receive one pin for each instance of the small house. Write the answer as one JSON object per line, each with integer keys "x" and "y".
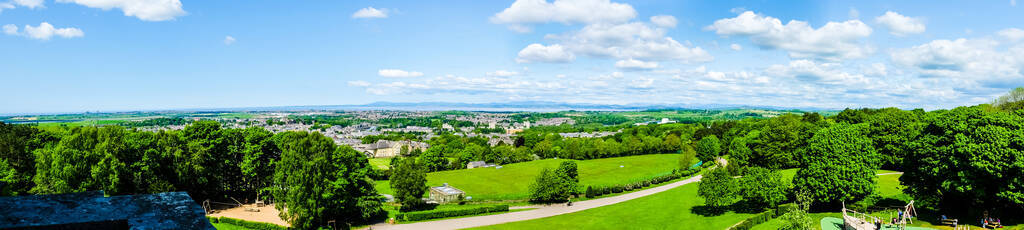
{"x": 446, "y": 194}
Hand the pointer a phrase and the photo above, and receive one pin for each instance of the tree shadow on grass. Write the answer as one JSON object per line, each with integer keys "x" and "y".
{"x": 707, "y": 211}
{"x": 738, "y": 207}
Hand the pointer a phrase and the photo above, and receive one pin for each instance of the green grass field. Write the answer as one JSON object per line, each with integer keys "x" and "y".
{"x": 672, "y": 209}
{"x": 511, "y": 182}
{"x": 381, "y": 163}
{"x": 223, "y": 226}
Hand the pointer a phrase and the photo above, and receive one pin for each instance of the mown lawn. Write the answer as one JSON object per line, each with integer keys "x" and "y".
{"x": 381, "y": 163}
{"x": 511, "y": 182}
{"x": 672, "y": 209}
{"x": 224, "y": 226}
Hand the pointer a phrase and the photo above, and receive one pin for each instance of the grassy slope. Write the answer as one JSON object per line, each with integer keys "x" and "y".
{"x": 512, "y": 181}
{"x": 672, "y": 209}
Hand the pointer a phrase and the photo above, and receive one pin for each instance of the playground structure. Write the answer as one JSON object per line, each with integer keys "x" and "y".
{"x": 853, "y": 220}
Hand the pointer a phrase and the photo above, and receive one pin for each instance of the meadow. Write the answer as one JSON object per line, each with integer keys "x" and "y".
{"x": 672, "y": 209}
{"x": 512, "y": 181}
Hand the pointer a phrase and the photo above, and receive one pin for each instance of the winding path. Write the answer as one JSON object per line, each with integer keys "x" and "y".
{"x": 541, "y": 211}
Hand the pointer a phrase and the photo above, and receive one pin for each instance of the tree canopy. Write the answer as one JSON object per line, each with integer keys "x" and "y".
{"x": 841, "y": 163}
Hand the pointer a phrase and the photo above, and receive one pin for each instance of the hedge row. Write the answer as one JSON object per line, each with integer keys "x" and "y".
{"x": 755, "y": 220}
{"x": 436, "y": 214}
{"x": 246, "y": 223}
{"x": 764, "y": 217}
{"x": 598, "y": 191}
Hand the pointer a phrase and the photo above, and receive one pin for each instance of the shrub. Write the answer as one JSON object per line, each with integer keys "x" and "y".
{"x": 436, "y": 214}
{"x": 755, "y": 220}
{"x": 252, "y": 224}
{"x": 590, "y": 192}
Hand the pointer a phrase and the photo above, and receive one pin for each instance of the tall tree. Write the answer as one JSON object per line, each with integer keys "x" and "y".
{"x": 17, "y": 163}
{"x": 841, "y": 165}
{"x": 708, "y": 148}
{"x": 409, "y": 181}
{"x": 316, "y": 182}
{"x": 969, "y": 157}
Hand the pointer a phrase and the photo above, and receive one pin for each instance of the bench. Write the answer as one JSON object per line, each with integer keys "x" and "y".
{"x": 950, "y": 222}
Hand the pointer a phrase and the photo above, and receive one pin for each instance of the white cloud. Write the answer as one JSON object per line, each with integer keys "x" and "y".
{"x": 981, "y": 62}
{"x": 503, "y": 73}
{"x": 811, "y": 72}
{"x": 228, "y": 40}
{"x": 666, "y": 21}
{"x": 1012, "y": 34}
{"x": 900, "y": 25}
{"x": 11, "y": 29}
{"x": 833, "y": 41}
{"x": 370, "y": 12}
{"x": 398, "y": 73}
{"x": 627, "y": 41}
{"x": 541, "y": 53}
{"x": 359, "y": 83}
{"x": 876, "y": 69}
{"x": 642, "y": 83}
{"x": 1013, "y": 2}
{"x": 736, "y": 47}
{"x": 635, "y": 64}
{"x": 44, "y": 31}
{"x": 521, "y": 13}
{"x": 146, "y": 10}
{"x": 31, "y": 4}
{"x": 5, "y": 5}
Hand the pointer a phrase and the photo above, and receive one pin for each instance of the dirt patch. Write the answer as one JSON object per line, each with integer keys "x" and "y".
{"x": 266, "y": 214}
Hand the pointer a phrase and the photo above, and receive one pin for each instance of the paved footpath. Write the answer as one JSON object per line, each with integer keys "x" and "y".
{"x": 541, "y": 211}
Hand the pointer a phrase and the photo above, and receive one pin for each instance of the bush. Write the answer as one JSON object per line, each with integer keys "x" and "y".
{"x": 755, "y": 220}
{"x": 590, "y": 192}
{"x": 436, "y": 214}
{"x": 252, "y": 224}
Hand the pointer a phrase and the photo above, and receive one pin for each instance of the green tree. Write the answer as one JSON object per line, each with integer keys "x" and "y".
{"x": 549, "y": 187}
{"x": 969, "y": 157}
{"x": 717, "y": 188}
{"x": 569, "y": 176}
{"x": 762, "y": 188}
{"x": 708, "y": 148}
{"x": 433, "y": 160}
{"x": 686, "y": 157}
{"x": 409, "y": 181}
{"x": 317, "y": 182}
{"x": 17, "y": 163}
{"x": 841, "y": 165}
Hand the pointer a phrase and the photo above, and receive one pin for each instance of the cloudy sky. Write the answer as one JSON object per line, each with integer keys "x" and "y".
{"x": 114, "y": 55}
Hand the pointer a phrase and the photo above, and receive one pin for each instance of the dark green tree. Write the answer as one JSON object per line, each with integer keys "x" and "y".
{"x": 841, "y": 165}
{"x": 316, "y": 182}
{"x": 17, "y": 163}
{"x": 708, "y": 148}
{"x": 409, "y": 181}
{"x": 969, "y": 157}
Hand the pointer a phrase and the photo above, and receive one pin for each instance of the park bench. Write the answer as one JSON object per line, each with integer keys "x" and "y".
{"x": 950, "y": 222}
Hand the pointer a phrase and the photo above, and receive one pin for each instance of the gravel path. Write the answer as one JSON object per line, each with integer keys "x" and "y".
{"x": 541, "y": 211}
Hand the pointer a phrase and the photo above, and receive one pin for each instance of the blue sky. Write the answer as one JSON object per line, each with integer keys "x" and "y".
{"x": 116, "y": 55}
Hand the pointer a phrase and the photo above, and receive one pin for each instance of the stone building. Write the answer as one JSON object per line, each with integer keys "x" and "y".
{"x": 446, "y": 194}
